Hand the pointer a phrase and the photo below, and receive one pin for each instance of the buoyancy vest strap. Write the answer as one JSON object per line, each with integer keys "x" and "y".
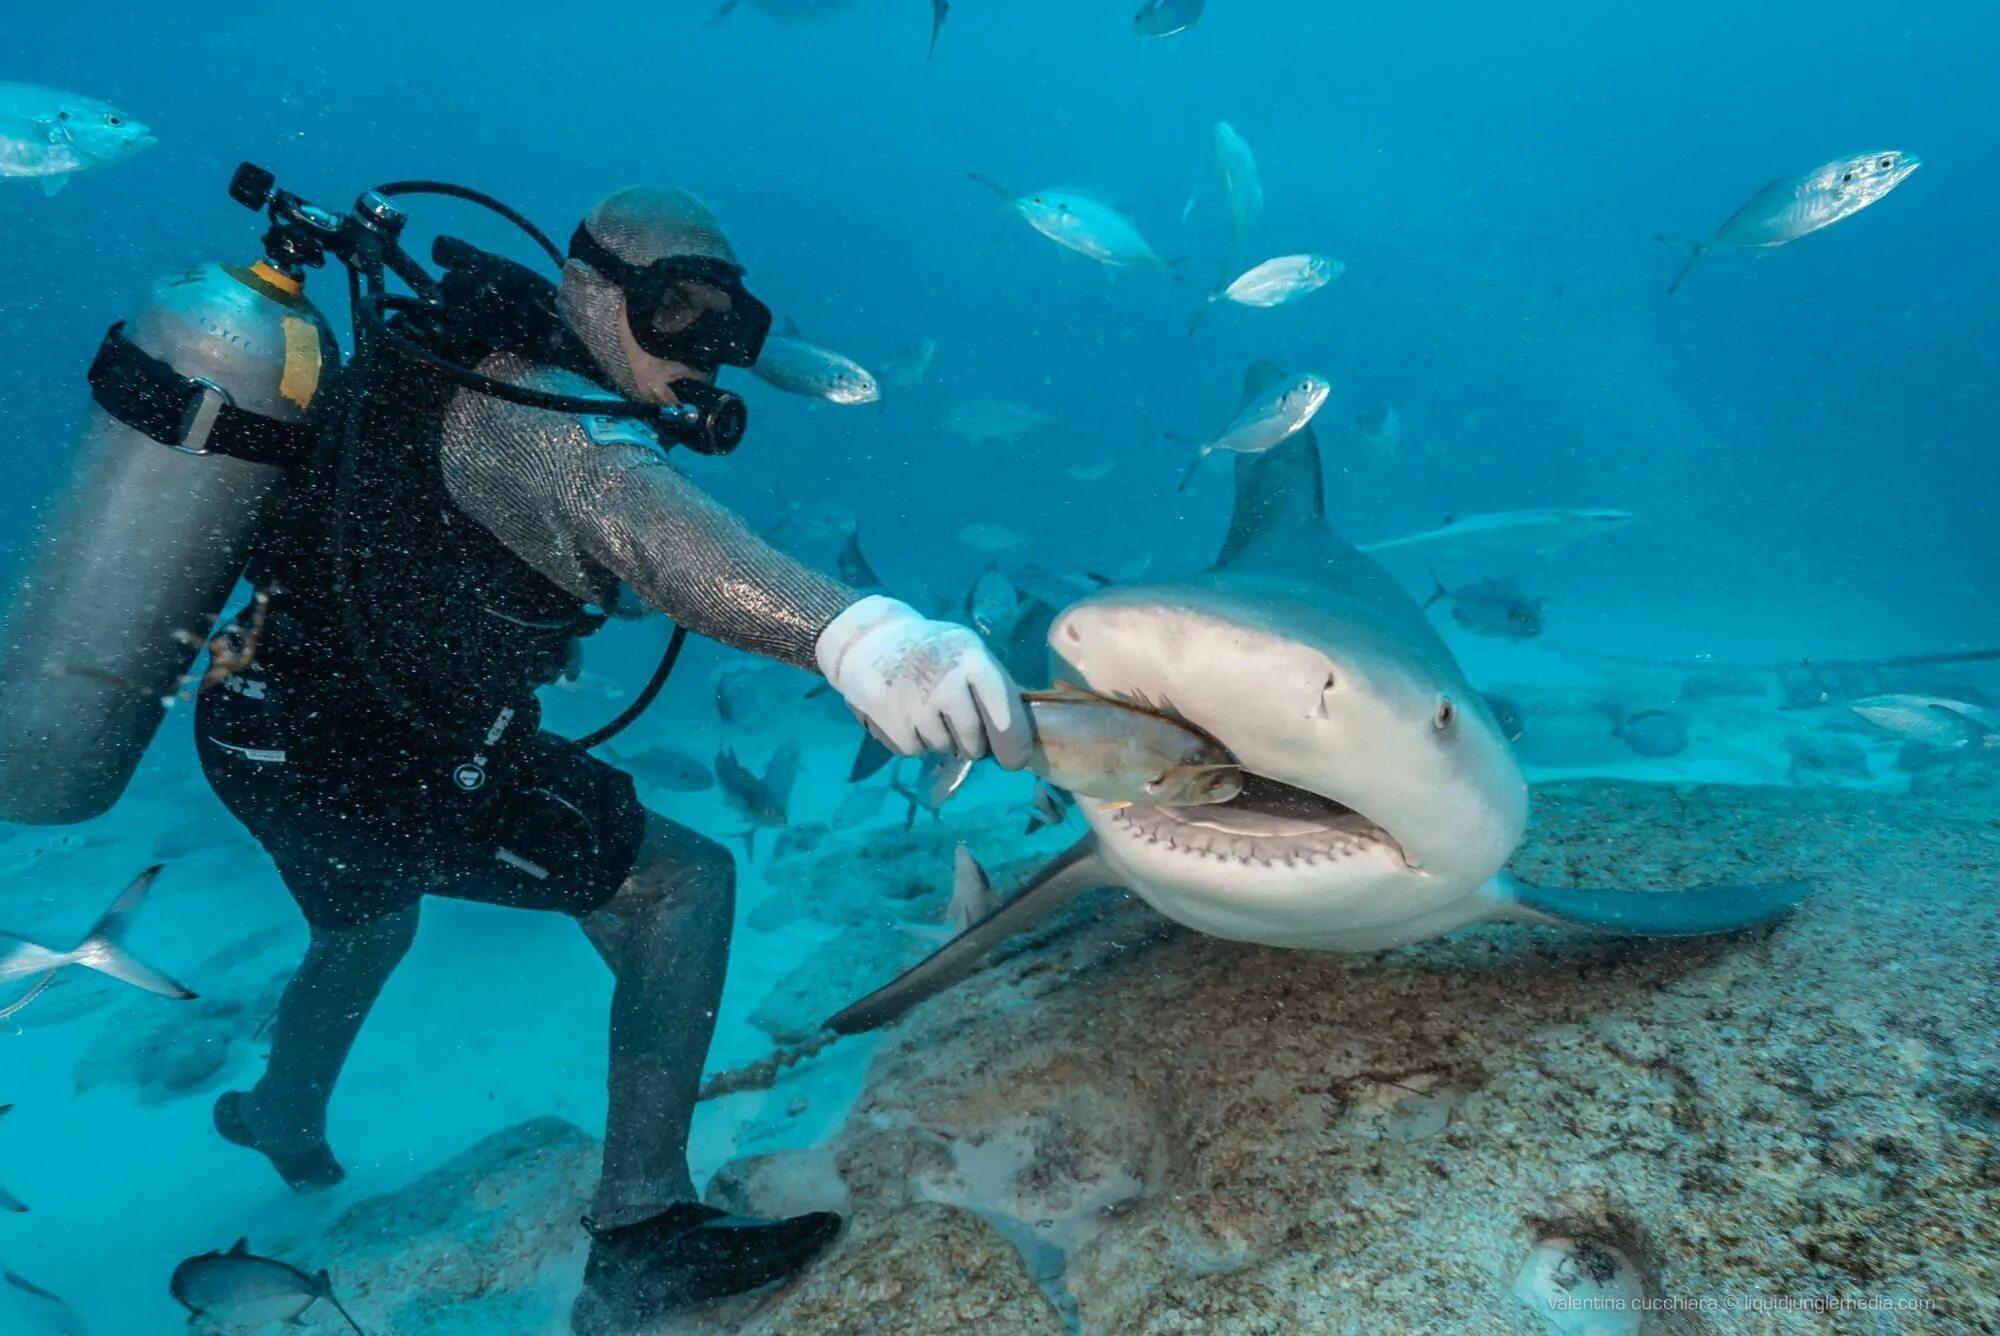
{"x": 189, "y": 414}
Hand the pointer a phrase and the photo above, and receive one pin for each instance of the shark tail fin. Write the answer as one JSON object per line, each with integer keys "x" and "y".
{"x": 728, "y": 6}
{"x": 939, "y": 9}
{"x": 1075, "y": 871}
{"x": 1703, "y": 911}
{"x": 104, "y": 951}
{"x": 1438, "y": 594}
{"x": 1695, "y": 250}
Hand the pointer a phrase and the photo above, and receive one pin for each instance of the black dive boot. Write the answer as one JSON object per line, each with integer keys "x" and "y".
{"x": 688, "y": 1255}
{"x": 311, "y": 1170}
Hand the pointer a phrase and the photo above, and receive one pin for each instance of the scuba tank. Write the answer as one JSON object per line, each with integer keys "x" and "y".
{"x": 198, "y": 407}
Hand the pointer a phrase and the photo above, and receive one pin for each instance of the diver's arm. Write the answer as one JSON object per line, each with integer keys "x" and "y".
{"x": 576, "y": 509}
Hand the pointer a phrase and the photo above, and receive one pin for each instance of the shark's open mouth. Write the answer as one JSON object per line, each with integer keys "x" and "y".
{"x": 1269, "y": 822}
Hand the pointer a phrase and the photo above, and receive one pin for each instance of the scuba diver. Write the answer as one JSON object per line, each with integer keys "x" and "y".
{"x": 371, "y": 719}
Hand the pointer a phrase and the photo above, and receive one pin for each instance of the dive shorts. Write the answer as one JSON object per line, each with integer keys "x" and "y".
{"x": 364, "y": 819}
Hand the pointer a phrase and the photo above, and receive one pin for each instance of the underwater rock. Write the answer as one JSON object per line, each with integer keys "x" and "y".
{"x": 1820, "y": 759}
{"x": 782, "y": 1183}
{"x": 860, "y": 958}
{"x": 1654, "y": 734}
{"x": 1183, "y": 1134}
{"x": 1582, "y": 1288}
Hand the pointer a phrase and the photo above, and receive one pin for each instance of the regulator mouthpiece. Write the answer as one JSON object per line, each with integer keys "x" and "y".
{"x": 707, "y": 420}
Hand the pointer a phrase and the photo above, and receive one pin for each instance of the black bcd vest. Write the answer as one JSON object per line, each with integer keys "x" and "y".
{"x": 390, "y": 605}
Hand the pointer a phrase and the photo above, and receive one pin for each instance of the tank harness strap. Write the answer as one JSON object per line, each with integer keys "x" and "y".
{"x": 190, "y": 414}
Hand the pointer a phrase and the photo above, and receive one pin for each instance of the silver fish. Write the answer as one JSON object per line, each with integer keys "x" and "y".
{"x": 1275, "y": 415}
{"x": 1495, "y": 608}
{"x": 907, "y": 369}
{"x": 51, "y": 1314}
{"x": 791, "y": 363}
{"x": 1936, "y": 721}
{"x": 1087, "y": 226}
{"x": 1242, "y": 187}
{"x": 993, "y": 605}
{"x": 1798, "y": 206}
{"x": 665, "y": 768}
{"x": 101, "y": 949}
{"x": 1275, "y": 282}
{"x": 992, "y": 419}
{"x": 1164, "y": 18}
{"x": 763, "y": 801}
{"x": 241, "y": 1288}
{"x": 823, "y": 520}
{"x": 940, "y": 777}
{"x": 50, "y": 134}
{"x": 1126, "y": 753}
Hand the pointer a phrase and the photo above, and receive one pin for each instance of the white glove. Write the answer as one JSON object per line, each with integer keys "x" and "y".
{"x": 920, "y": 685}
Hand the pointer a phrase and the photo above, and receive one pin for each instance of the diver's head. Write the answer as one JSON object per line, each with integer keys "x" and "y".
{"x": 655, "y": 292}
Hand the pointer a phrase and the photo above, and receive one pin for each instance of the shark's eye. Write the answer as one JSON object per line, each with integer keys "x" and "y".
{"x": 1446, "y": 716}
{"x": 1886, "y": 163}
{"x": 1845, "y": 177}
{"x": 114, "y": 120}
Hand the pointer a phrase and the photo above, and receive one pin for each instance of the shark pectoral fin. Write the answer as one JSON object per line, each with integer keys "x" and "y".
{"x": 1698, "y": 912}
{"x": 1076, "y": 870}
{"x": 52, "y": 185}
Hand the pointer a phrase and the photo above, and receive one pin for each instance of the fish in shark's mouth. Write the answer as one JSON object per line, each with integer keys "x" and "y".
{"x": 1269, "y": 822}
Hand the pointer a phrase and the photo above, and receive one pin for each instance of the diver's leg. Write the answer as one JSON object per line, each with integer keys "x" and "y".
{"x": 322, "y": 1010}
{"x": 666, "y": 937}
{"x": 655, "y": 1248}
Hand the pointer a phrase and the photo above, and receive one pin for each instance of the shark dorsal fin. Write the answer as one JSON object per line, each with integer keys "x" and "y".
{"x": 242, "y": 1248}
{"x": 789, "y": 328}
{"x": 1279, "y": 489}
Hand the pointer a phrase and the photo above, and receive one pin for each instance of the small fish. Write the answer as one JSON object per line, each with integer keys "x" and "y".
{"x": 1050, "y": 808}
{"x": 101, "y": 949}
{"x": 1273, "y": 416}
{"x": 1382, "y": 428}
{"x": 748, "y": 693}
{"x": 907, "y": 369}
{"x": 762, "y": 801}
{"x": 792, "y": 364}
{"x": 1087, "y": 226}
{"x": 1506, "y": 531}
{"x": 52, "y": 1314}
{"x": 1495, "y": 608}
{"x": 972, "y": 899}
{"x": 1656, "y": 734}
{"x": 1936, "y": 721}
{"x": 49, "y": 134}
{"x": 8, "y": 1201}
{"x": 989, "y": 537}
{"x": 1798, "y": 206}
{"x": 664, "y": 768}
{"x": 1125, "y": 753}
{"x": 1242, "y": 187}
{"x": 854, "y": 568}
{"x": 1164, "y": 18}
{"x": 941, "y": 775}
{"x": 824, "y": 520}
{"x": 993, "y": 605}
{"x": 1275, "y": 282}
{"x": 241, "y": 1288}
{"x": 992, "y": 419}
{"x": 1096, "y": 470}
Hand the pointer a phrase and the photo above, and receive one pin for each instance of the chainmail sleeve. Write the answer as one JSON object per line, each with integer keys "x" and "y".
{"x": 588, "y": 512}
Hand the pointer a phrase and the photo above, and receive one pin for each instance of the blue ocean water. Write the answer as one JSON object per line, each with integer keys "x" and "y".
{"x": 1804, "y": 435}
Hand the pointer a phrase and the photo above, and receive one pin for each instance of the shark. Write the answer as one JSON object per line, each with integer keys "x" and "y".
{"x": 1382, "y": 799}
